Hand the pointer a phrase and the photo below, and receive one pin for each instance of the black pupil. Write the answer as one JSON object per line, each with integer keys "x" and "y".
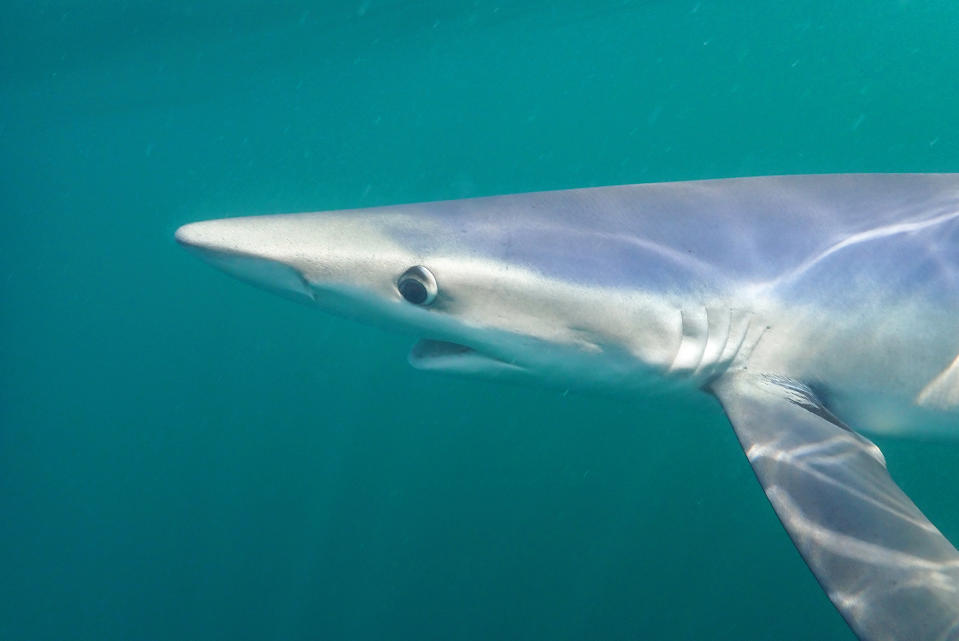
{"x": 413, "y": 290}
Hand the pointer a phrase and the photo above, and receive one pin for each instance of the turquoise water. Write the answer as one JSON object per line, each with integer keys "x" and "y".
{"x": 185, "y": 457}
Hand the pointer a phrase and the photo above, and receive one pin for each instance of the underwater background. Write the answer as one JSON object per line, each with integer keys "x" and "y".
{"x": 183, "y": 456}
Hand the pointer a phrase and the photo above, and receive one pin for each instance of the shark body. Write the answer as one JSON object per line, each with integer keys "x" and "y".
{"x": 810, "y": 306}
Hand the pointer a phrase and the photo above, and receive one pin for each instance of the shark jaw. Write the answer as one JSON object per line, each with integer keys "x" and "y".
{"x": 444, "y": 356}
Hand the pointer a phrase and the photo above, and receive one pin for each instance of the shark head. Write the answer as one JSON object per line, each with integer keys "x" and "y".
{"x": 491, "y": 287}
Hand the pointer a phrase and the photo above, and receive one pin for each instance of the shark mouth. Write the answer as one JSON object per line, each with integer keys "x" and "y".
{"x": 444, "y": 356}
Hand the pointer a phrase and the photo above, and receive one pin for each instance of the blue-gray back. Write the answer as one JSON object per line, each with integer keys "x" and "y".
{"x": 800, "y": 235}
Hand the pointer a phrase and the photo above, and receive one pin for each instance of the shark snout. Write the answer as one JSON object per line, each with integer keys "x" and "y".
{"x": 195, "y": 235}
{"x": 234, "y": 248}
{"x": 342, "y": 262}
{"x": 227, "y": 235}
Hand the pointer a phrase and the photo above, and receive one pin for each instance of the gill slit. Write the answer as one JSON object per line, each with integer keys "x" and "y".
{"x": 711, "y": 338}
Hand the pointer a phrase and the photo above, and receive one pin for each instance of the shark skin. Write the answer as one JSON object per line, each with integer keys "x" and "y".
{"x": 812, "y": 307}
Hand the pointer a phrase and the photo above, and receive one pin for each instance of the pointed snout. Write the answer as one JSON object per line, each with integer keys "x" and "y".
{"x": 198, "y": 236}
{"x": 321, "y": 256}
{"x": 227, "y": 236}
{"x": 244, "y": 249}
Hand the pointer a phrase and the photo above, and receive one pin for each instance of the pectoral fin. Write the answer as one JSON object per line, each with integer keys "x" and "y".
{"x": 888, "y": 570}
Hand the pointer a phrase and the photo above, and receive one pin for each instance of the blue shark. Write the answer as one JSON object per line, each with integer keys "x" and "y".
{"x": 814, "y": 308}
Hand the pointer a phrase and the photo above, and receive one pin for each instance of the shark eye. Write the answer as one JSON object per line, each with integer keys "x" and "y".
{"x": 417, "y": 285}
